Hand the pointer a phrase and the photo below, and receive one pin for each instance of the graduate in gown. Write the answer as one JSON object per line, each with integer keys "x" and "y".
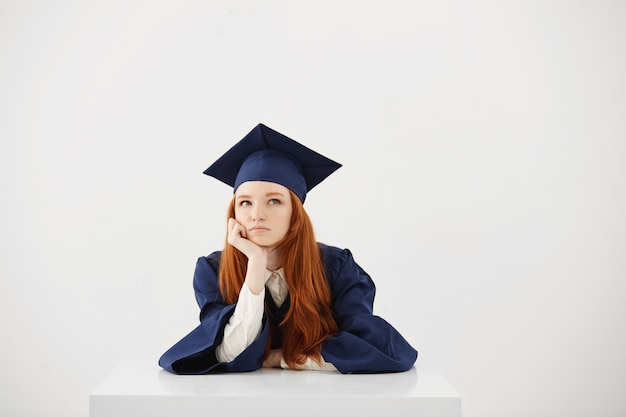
{"x": 274, "y": 296}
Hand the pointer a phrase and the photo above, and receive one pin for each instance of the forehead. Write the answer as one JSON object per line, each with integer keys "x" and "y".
{"x": 261, "y": 188}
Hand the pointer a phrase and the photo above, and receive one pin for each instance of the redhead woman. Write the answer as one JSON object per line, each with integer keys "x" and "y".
{"x": 274, "y": 296}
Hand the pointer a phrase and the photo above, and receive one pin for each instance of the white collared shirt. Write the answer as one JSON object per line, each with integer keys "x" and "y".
{"x": 244, "y": 325}
{"x": 277, "y": 286}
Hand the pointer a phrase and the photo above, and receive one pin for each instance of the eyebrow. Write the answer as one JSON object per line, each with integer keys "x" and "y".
{"x": 271, "y": 194}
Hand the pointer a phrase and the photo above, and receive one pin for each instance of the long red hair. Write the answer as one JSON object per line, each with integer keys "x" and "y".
{"x": 309, "y": 320}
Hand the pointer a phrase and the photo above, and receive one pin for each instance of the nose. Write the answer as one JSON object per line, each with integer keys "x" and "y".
{"x": 257, "y": 213}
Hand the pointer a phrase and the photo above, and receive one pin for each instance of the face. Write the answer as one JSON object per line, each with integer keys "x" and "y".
{"x": 264, "y": 209}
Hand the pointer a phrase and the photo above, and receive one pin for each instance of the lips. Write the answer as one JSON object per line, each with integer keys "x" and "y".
{"x": 258, "y": 229}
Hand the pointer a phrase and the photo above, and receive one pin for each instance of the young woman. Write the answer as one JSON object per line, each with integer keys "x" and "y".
{"x": 275, "y": 297}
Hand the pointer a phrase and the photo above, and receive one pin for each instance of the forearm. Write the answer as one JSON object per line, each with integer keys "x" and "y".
{"x": 310, "y": 365}
{"x": 255, "y": 275}
{"x": 244, "y": 326}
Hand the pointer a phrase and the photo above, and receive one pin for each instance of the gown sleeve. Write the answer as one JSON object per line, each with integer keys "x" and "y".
{"x": 365, "y": 343}
{"x": 195, "y": 353}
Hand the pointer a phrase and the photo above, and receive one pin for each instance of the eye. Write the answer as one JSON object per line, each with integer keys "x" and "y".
{"x": 245, "y": 203}
{"x": 274, "y": 201}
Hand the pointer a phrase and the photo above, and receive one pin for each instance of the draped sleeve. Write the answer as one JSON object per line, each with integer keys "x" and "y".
{"x": 195, "y": 353}
{"x": 365, "y": 343}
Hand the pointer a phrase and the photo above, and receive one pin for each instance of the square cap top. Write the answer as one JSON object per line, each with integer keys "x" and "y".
{"x": 267, "y": 155}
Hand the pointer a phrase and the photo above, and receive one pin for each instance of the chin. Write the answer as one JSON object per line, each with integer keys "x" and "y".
{"x": 264, "y": 243}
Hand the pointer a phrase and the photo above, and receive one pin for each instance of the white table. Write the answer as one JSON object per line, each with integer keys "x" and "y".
{"x": 141, "y": 388}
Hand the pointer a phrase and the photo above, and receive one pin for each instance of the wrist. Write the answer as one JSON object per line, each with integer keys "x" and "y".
{"x": 255, "y": 275}
{"x": 257, "y": 262}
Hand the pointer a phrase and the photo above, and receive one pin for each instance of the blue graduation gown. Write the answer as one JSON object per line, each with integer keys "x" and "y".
{"x": 365, "y": 343}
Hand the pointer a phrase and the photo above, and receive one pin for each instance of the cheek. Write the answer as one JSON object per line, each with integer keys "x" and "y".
{"x": 287, "y": 220}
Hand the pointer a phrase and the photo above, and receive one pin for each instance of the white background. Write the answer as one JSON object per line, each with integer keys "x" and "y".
{"x": 483, "y": 185}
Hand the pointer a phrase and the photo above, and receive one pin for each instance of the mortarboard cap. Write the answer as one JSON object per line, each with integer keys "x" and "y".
{"x": 267, "y": 155}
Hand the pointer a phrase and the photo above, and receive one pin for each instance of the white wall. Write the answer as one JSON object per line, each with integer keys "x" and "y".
{"x": 483, "y": 181}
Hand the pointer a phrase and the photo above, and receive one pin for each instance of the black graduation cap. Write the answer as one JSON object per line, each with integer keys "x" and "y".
{"x": 267, "y": 155}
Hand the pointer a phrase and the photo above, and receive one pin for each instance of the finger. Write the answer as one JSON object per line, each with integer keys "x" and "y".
{"x": 233, "y": 234}
{"x": 231, "y": 224}
{"x": 237, "y": 228}
{"x": 233, "y": 227}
